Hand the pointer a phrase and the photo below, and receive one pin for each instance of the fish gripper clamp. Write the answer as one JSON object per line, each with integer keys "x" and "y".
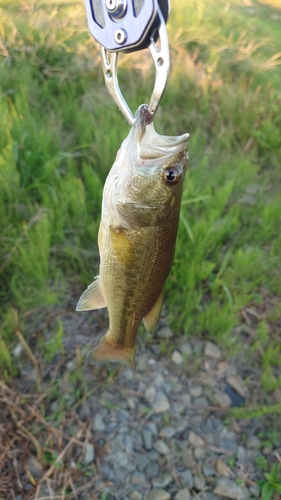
{"x": 129, "y": 26}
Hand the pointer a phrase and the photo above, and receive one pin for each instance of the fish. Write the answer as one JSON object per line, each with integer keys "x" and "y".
{"x": 137, "y": 236}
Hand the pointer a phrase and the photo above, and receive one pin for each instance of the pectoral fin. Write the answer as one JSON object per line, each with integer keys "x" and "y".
{"x": 151, "y": 319}
{"x": 108, "y": 351}
{"x": 92, "y": 298}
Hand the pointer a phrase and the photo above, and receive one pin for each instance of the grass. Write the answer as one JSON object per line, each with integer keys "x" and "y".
{"x": 59, "y": 134}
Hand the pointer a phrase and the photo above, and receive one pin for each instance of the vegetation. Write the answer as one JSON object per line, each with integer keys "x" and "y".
{"x": 59, "y": 133}
{"x": 272, "y": 482}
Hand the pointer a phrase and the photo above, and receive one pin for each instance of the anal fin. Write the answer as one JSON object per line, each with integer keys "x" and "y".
{"x": 108, "y": 351}
{"x": 92, "y": 298}
{"x": 151, "y": 319}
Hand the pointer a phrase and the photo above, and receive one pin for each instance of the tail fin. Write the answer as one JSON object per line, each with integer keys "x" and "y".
{"x": 107, "y": 351}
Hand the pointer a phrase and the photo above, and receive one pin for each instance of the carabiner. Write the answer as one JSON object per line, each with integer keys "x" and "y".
{"x": 161, "y": 60}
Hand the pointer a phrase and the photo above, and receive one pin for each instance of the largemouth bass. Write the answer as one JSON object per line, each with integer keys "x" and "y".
{"x": 137, "y": 236}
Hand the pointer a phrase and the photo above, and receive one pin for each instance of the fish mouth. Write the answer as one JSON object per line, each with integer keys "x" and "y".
{"x": 151, "y": 144}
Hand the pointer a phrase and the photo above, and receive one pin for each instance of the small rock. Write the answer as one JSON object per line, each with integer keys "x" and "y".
{"x": 186, "y": 399}
{"x": 242, "y": 455}
{"x": 121, "y": 458}
{"x": 223, "y": 469}
{"x": 182, "y": 495}
{"x": 147, "y": 438}
{"x": 164, "y": 333}
{"x": 167, "y": 432}
{"x": 187, "y": 478}
{"x": 222, "y": 399}
{"x": 161, "y": 404}
{"x": 89, "y": 454}
{"x": 224, "y": 433}
{"x": 229, "y": 489}
{"x": 186, "y": 349}
{"x": 150, "y": 394}
{"x": 195, "y": 440}
{"x": 141, "y": 460}
{"x": 158, "y": 495}
{"x": 152, "y": 455}
{"x": 199, "y": 452}
{"x": 210, "y": 496}
{"x": 181, "y": 425}
{"x": 162, "y": 481}
{"x": 201, "y": 402}
{"x": 131, "y": 403}
{"x": 195, "y": 391}
{"x": 142, "y": 363}
{"x": 177, "y": 358}
{"x": 178, "y": 407}
{"x": 32, "y": 377}
{"x": 34, "y": 467}
{"x": 98, "y": 423}
{"x": 138, "y": 478}
{"x": 188, "y": 458}
{"x": 212, "y": 350}
{"x": 267, "y": 450}
{"x": 227, "y": 445}
{"x": 128, "y": 444}
{"x": 253, "y": 442}
{"x": 129, "y": 374}
{"x": 255, "y": 491}
{"x": 130, "y": 467}
{"x": 161, "y": 447}
{"x": 199, "y": 483}
{"x": 223, "y": 366}
{"x": 207, "y": 379}
{"x": 159, "y": 379}
{"x": 123, "y": 416}
{"x": 106, "y": 449}
{"x": 208, "y": 471}
{"x": 17, "y": 350}
{"x": 136, "y": 495}
{"x": 198, "y": 346}
{"x": 152, "y": 470}
{"x": 238, "y": 385}
{"x": 153, "y": 427}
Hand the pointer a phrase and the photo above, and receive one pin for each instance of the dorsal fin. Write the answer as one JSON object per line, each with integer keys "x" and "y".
{"x": 92, "y": 298}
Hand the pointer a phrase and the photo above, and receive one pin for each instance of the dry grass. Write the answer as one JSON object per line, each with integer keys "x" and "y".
{"x": 23, "y": 430}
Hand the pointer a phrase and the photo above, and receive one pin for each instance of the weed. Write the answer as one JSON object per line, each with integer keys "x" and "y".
{"x": 261, "y": 462}
{"x": 230, "y": 461}
{"x": 272, "y": 482}
{"x": 50, "y": 347}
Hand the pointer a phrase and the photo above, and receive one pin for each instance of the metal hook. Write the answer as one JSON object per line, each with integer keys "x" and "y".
{"x": 161, "y": 60}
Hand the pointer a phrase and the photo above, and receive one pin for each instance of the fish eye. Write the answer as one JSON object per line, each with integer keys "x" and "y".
{"x": 171, "y": 176}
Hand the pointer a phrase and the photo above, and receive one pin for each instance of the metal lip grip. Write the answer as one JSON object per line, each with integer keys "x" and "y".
{"x": 118, "y": 26}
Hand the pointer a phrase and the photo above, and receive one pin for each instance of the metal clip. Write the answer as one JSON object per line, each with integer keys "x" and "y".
{"x": 161, "y": 60}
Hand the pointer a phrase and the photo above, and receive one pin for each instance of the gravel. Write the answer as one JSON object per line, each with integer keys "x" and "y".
{"x": 162, "y": 431}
